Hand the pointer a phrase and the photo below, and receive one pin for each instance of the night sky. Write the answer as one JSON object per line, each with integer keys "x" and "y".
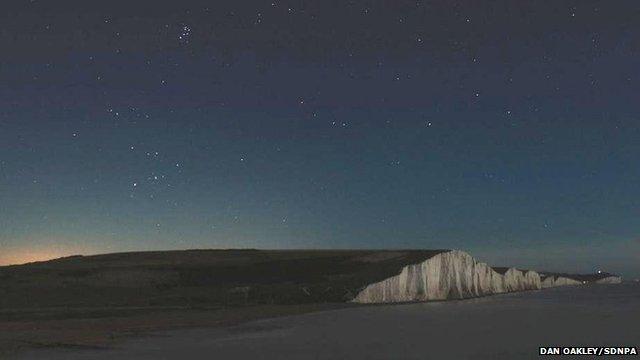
{"x": 509, "y": 129}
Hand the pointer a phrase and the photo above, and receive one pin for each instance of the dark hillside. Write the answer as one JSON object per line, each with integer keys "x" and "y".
{"x": 200, "y": 278}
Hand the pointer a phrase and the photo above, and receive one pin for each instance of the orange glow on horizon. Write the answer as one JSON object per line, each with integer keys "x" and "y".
{"x": 24, "y": 256}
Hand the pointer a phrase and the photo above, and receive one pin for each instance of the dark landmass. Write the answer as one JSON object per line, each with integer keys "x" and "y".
{"x": 92, "y": 301}
{"x": 200, "y": 278}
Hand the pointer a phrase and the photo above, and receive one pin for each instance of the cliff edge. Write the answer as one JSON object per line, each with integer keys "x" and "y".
{"x": 457, "y": 275}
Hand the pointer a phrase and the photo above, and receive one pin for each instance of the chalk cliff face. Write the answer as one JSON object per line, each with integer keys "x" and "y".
{"x": 547, "y": 282}
{"x": 609, "y": 280}
{"x": 449, "y": 275}
{"x": 552, "y": 281}
{"x": 557, "y": 279}
{"x": 456, "y": 275}
{"x": 518, "y": 280}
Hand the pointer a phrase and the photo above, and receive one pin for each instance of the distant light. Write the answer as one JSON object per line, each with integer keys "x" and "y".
{"x": 599, "y": 271}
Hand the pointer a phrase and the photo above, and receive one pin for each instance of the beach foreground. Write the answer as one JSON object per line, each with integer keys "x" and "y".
{"x": 507, "y": 326}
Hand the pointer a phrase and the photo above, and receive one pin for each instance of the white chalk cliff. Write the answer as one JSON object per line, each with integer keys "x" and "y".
{"x": 457, "y": 275}
{"x": 552, "y": 281}
{"x": 449, "y": 275}
{"x": 609, "y": 280}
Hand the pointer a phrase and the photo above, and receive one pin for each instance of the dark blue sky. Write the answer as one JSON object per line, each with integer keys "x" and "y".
{"x": 506, "y": 128}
